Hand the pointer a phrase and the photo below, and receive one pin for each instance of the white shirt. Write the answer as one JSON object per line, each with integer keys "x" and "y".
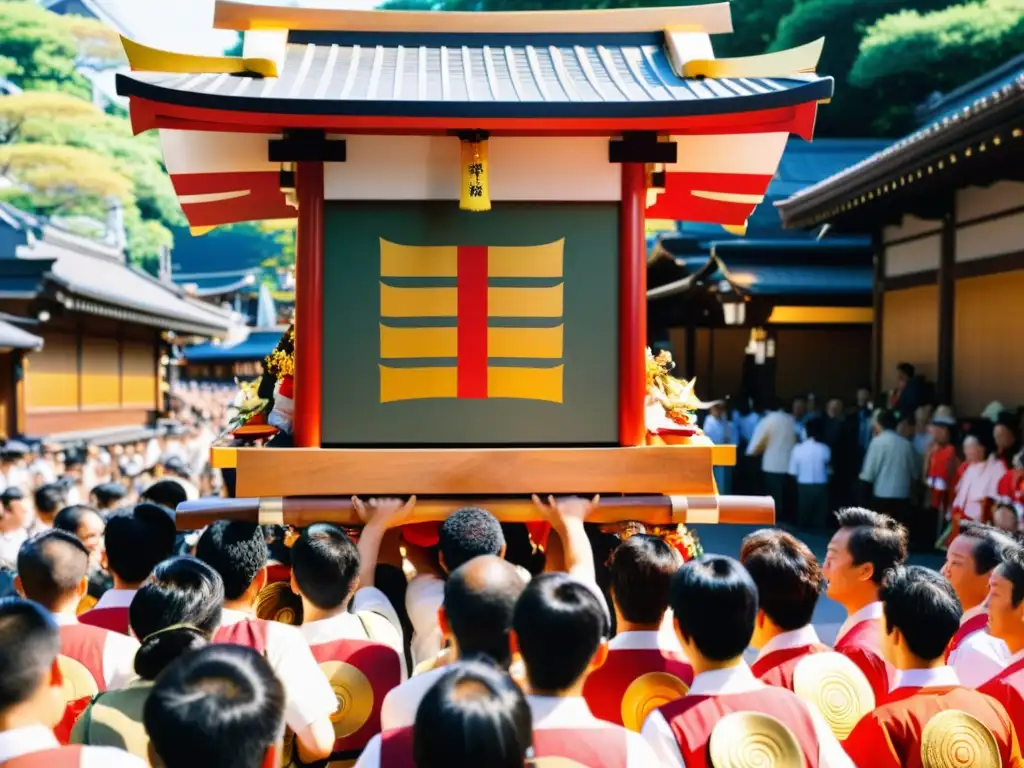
{"x": 347, "y": 626}
{"x": 873, "y": 610}
{"x": 719, "y": 431}
{"x": 10, "y": 544}
{"x": 36, "y": 738}
{"x": 308, "y": 695}
{"x": 399, "y": 707}
{"x": 118, "y": 654}
{"x": 809, "y": 462}
{"x": 979, "y": 657}
{"x": 739, "y": 679}
{"x": 979, "y": 482}
{"x": 936, "y": 677}
{"x": 774, "y": 438}
{"x": 795, "y": 638}
{"x": 115, "y": 598}
{"x": 645, "y": 641}
{"x": 423, "y": 596}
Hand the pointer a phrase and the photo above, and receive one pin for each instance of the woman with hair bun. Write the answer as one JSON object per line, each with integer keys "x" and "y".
{"x": 175, "y": 611}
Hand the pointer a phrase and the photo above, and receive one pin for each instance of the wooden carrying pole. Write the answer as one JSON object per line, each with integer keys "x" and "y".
{"x": 300, "y": 511}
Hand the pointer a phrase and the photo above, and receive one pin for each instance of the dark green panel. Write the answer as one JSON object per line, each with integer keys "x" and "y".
{"x": 352, "y": 411}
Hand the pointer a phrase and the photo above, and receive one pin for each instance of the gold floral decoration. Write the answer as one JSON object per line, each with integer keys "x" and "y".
{"x": 676, "y": 396}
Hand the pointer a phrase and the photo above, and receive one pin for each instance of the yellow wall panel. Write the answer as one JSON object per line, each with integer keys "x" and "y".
{"x": 524, "y": 302}
{"x": 138, "y": 365}
{"x": 526, "y": 383}
{"x": 418, "y": 260}
{"x": 524, "y": 342}
{"x": 527, "y": 261}
{"x": 418, "y": 302}
{"x": 51, "y": 375}
{"x": 418, "y": 342}
{"x": 101, "y": 373}
{"x": 417, "y": 383}
{"x": 910, "y": 331}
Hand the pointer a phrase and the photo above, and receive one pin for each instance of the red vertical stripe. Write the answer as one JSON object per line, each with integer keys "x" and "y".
{"x": 472, "y": 282}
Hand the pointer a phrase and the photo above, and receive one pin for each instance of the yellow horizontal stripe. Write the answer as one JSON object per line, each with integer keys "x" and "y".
{"x": 524, "y": 342}
{"x": 830, "y": 315}
{"x": 529, "y": 261}
{"x": 524, "y": 302}
{"x": 418, "y": 302}
{"x": 417, "y": 383}
{"x": 418, "y": 260}
{"x": 418, "y": 342}
{"x": 526, "y": 383}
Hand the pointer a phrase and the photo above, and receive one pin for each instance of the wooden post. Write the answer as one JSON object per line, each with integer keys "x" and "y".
{"x": 309, "y": 306}
{"x": 632, "y": 305}
{"x": 947, "y": 304}
{"x": 878, "y": 302}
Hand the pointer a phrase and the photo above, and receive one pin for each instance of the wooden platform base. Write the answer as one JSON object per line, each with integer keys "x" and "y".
{"x": 667, "y": 470}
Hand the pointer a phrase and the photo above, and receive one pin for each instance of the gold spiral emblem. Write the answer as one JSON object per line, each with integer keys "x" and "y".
{"x": 753, "y": 740}
{"x": 78, "y": 681}
{"x": 355, "y": 697}
{"x": 277, "y": 602}
{"x": 646, "y": 694}
{"x": 837, "y": 689}
{"x": 955, "y": 739}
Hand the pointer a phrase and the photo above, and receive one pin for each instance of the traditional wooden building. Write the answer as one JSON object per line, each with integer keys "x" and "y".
{"x": 223, "y": 361}
{"x": 105, "y": 331}
{"x": 945, "y": 206}
{"x": 768, "y": 312}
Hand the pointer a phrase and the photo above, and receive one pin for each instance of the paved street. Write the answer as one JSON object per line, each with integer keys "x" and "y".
{"x": 725, "y": 539}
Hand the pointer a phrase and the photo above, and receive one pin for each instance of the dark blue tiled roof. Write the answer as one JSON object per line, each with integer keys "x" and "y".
{"x": 778, "y": 280}
{"x": 475, "y": 75}
{"x": 257, "y": 346}
{"x": 946, "y": 105}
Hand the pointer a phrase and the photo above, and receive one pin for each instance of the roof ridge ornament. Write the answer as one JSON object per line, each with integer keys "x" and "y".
{"x": 148, "y": 59}
{"x": 793, "y": 61}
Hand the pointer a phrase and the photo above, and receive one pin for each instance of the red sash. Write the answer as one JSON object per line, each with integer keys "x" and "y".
{"x": 113, "y": 619}
{"x": 396, "y": 749}
{"x": 692, "y": 719}
{"x": 1008, "y": 689}
{"x": 56, "y": 757}
{"x": 84, "y": 644}
{"x": 862, "y": 646}
{"x": 605, "y": 688}
{"x": 968, "y": 628}
{"x": 776, "y": 668}
{"x": 382, "y": 668}
{"x": 252, "y": 633}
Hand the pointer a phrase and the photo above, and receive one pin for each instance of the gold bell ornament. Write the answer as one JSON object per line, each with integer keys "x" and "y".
{"x": 476, "y": 191}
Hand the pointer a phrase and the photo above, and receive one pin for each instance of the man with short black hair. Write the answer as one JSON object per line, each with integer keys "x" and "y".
{"x": 865, "y": 547}
{"x": 640, "y": 570}
{"x": 135, "y": 540}
{"x": 970, "y": 560}
{"x": 921, "y": 614}
{"x": 32, "y": 697}
{"x": 714, "y": 602}
{"x": 13, "y": 518}
{"x": 167, "y": 493}
{"x": 218, "y": 706}
{"x": 53, "y": 571}
{"x": 238, "y": 552}
{"x": 1006, "y": 622}
{"x": 48, "y": 500}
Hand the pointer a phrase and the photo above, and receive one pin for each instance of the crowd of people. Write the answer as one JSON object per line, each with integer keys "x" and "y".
{"x": 467, "y": 644}
{"x": 905, "y": 456}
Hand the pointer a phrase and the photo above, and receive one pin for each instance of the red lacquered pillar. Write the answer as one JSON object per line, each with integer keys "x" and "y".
{"x": 309, "y": 304}
{"x": 632, "y": 305}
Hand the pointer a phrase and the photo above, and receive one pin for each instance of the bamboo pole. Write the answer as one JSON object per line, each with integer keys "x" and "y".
{"x": 300, "y": 511}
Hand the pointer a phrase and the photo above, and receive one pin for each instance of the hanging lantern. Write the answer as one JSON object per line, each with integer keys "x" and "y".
{"x": 476, "y": 192}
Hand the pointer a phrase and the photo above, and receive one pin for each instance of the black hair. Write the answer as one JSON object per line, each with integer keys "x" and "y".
{"x": 640, "y": 571}
{"x": 989, "y": 543}
{"x": 325, "y": 564}
{"x": 277, "y": 549}
{"x": 49, "y": 498}
{"x": 887, "y": 419}
{"x": 474, "y": 715}
{"x": 479, "y": 601}
{"x": 166, "y": 493}
{"x": 220, "y": 705}
{"x": 237, "y": 551}
{"x": 51, "y": 566}
{"x": 815, "y": 428}
{"x": 787, "y": 575}
{"x": 181, "y": 591}
{"x": 136, "y": 540}
{"x": 874, "y": 538}
{"x": 908, "y": 369}
{"x": 31, "y": 642}
{"x": 715, "y": 605}
{"x": 1012, "y": 569}
{"x": 467, "y": 533}
{"x": 923, "y": 606}
{"x": 69, "y": 518}
{"x": 560, "y": 624}
{"x": 109, "y": 493}
{"x": 11, "y": 493}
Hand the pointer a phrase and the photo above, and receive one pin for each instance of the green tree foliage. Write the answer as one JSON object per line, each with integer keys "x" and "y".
{"x": 907, "y": 56}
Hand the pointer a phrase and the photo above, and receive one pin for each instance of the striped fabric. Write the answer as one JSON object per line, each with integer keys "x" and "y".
{"x": 471, "y": 322}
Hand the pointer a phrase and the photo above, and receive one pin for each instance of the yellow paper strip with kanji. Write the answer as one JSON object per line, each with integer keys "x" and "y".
{"x": 526, "y": 383}
{"x": 418, "y": 342}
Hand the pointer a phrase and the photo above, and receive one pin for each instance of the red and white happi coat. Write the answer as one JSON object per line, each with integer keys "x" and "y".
{"x": 111, "y": 611}
{"x": 780, "y": 656}
{"x": 1007, "y": 688}
{"x": 632, "y": 655}
{"x": 860, "y": 640}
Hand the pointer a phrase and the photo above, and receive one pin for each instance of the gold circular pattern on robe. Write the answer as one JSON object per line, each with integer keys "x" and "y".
{"x": 836, "y": 687}
{"x": 277, "y": 602}
{"x": 646, "y": 694}
{"x": 78, "y": 681}
{"x": 955, "y": 739}
{"x": 753, "y": 740}
{"x": 355, "y": 697}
